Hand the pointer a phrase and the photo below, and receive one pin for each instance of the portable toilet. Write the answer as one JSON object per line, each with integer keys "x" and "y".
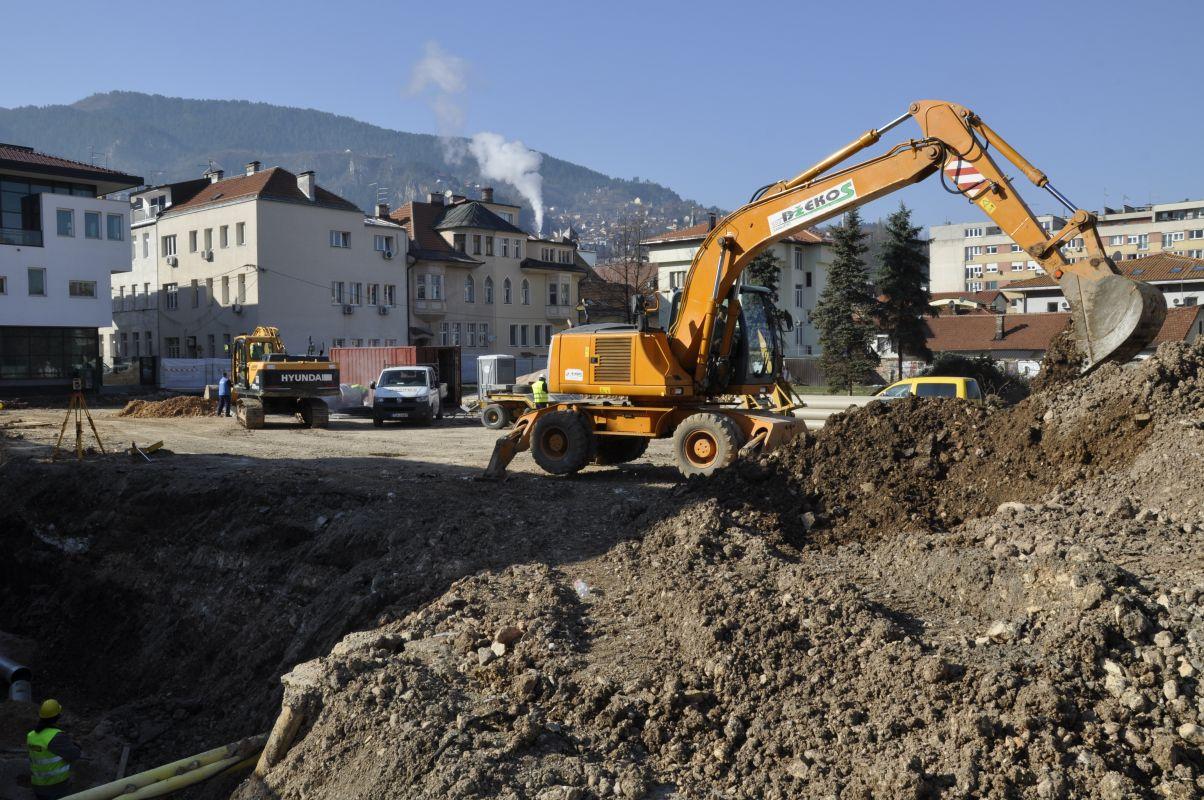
{"x": 496, "y": 370}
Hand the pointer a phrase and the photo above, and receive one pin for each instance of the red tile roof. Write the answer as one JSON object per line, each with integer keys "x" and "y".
{"x": 701, "y": 230}
{"x": 274, "y": 183}
{"x": 19, "y": 154}
{"x": 1158, "y": 267}
{"x": 976, "y": 332}
{"x": 419, "y": 219}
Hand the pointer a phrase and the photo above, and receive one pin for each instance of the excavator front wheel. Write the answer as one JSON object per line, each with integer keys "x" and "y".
{"x": 561, "y": 442}
{"x": 704, "y": 443}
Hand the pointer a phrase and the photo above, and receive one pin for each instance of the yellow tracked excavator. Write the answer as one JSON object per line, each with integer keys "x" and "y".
{"x": 722, "y": 342}
{"x": 267, "y": 380}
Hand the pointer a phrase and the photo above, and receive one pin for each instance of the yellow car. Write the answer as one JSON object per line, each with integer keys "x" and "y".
{"x": 965, "y": 388}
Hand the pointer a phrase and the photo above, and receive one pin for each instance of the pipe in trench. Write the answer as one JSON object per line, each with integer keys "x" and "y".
{"x": 132, "y": 786}
{"x": 18, "y": 678}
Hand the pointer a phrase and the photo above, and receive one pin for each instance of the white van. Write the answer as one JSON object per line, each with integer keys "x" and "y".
{"x": 406, "y": 393}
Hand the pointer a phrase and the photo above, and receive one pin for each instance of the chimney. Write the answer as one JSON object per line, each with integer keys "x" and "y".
{"x": 214, "y": 175}
{"x": 382, "y": 210}
{"x": 711, "y": 221}
{"x": 305, "y": 182}
{"x": 999, "y": 318}
{"x": 487, "y": 194}
{"x": 253, "y": 167}
{"x": 434, "y": 198}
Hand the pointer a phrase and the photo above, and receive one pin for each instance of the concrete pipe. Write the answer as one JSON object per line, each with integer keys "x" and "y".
{"x": 18, "y": 678}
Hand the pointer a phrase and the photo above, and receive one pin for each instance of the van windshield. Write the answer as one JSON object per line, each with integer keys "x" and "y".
{"x": 936, "y": 390}
{"x": 400, "y": 378}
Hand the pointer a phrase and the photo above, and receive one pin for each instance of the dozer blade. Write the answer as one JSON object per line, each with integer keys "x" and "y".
{"x": 1114, "y": 316}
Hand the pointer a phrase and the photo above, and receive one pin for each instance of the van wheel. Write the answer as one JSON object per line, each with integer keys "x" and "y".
{"x": 704, "y": 443}
{"x": 620, "y": 449}
{"x": 562, "y": 442}
{"x": 378, "y": 422}
{"x": 495, "y": 417}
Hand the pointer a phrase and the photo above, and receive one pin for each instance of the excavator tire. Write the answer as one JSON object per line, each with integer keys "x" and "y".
{"x": 250, "y": 413}
{"x": 705, "y": 442}
{"x": 495, "y": 417}
{"x": 562, "y": 442}
{"x": 620, "y": 449}
{"x": 315, "y": 413}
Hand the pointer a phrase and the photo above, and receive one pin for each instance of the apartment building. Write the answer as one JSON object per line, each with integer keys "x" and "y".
{"x": 1179, "y": 278}
{"x": 974, "y": 256}
{"x": 61, "y": 240}
{"x": 805, "y": 257}
{"x": 481, "y": 282}
{"x": 215, "y": 257}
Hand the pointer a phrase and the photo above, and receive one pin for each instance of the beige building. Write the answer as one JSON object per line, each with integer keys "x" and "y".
{"x": 479, "y": 281}
{"x": 977, "y": 256}
{"x": 215, "y": 257}
{"x": 805, "y": 257}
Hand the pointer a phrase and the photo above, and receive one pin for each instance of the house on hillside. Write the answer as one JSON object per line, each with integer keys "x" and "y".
{"x": 805, "y": 257}
{"x": 1179, "y": 278}
{"x": 481, "y": 282}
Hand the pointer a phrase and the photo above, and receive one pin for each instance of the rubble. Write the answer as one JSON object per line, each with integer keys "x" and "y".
{"x": 183, "y": 406}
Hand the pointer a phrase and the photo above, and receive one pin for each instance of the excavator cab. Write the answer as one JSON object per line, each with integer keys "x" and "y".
{"x": 755, "y": 358}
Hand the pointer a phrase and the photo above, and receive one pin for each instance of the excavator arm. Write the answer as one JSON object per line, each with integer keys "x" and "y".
{"x": 1114, "y": 317}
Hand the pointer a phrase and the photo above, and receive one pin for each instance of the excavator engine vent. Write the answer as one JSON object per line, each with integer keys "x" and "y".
{"x": 613, "y": 364}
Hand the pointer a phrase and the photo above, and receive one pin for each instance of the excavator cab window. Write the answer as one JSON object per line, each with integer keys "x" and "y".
{"x": 757, "y": 347}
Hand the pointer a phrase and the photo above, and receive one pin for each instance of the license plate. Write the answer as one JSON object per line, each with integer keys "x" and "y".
{"x": 399, "y": 415}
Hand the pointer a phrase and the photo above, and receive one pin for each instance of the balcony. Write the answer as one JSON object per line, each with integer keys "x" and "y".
{"x": 143, "y": 214}
{"x": 561, "y": 312}
{"x": 430, "y": 308}
{"x": 19, "y": 237}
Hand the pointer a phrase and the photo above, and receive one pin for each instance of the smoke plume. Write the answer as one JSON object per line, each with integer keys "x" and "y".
{"x": 514, "y": 163}
{"x": 442, "y": 78}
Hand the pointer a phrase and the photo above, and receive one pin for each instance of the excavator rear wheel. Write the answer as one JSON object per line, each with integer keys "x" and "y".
{"x": 704, "y": 443}
{"x": 620, "y": 449}
{"x": 561, "y": 442}
{"x": 249, "y": 413}
{"x": 315, "y": 413}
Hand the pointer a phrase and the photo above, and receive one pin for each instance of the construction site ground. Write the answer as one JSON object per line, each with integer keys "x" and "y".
{"x": 926, "y": 599}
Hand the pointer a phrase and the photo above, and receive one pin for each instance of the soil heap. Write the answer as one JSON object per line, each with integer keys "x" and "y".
{"x": 924, "y": 600}
{"x": 182, "y": 406}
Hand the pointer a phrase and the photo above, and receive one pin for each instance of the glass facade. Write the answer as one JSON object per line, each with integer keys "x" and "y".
{"x": 49, "y": 355}
{"x": 21, "y": 208}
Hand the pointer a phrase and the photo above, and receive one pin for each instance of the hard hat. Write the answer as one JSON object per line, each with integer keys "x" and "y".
{"x": 50, "y": 709}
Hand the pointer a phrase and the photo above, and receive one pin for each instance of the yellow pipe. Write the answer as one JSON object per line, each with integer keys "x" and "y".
{"x": 132, "y": 783}
{"x": 178, "y": 782}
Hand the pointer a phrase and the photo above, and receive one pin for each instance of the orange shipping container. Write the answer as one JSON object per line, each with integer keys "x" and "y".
{"x": 362, "y": 365}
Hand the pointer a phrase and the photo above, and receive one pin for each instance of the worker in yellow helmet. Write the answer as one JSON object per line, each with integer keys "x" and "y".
{"x": 51, "y": 753}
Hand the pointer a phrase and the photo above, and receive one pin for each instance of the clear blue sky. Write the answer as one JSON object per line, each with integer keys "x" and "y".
{"x": 712, "y": 99}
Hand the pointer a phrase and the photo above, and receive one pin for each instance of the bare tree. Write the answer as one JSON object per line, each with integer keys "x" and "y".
{"x": 628, "y": 264}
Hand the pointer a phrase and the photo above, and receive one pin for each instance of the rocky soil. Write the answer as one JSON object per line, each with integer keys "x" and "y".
{"x": 181, "y": 406}
{"x": 925, "y": 600}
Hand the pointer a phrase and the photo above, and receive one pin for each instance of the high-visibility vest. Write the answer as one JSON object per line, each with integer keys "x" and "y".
{"x": 45, "y": 768}
{"x": 539, "y": 391}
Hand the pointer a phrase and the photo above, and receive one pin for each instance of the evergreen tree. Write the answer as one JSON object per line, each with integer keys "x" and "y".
{"x": 901, "y": 278}
{"x": 845, "y": 312}
{"x": 766, "y": 270}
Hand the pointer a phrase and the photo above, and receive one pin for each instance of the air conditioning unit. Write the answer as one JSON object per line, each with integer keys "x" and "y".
{"x": 1065, "y": 306}
{"x": 348, "y": 309}
{"x": 207, "y": 255}
{"x": 1178, "y": 301}
{"x": 382, "y": 310}
{"x": 172, "y": 261}
{"x": 236, "y": 308}
{"x": 386, "y": 254}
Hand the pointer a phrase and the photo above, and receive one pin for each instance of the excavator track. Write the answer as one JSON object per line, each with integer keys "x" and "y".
{"x": 315, "y": 413}
{"x": 250, "y": 413}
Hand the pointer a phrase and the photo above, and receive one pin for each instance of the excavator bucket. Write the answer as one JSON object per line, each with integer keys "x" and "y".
{"x": 507, "y": 447}
{"x": 1114, "y": 317}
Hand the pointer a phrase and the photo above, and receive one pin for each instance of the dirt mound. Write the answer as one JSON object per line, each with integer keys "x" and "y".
{"x": 1062, "y": 363}
{"x": 171, "y": 407}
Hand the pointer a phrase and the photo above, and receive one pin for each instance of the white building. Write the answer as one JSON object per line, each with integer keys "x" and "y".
{"x": 60, "y": 240}
{"x": 805, "y": 258}
{"x": 1179, "y": 278}
{"x": 215, "y": 257}
{"x": 975, "y": 256}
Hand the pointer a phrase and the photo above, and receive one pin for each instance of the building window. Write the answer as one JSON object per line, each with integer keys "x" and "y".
{"x": 506, "y": 293}
{"x": 66, "y": 222}
{"x": 444, "y": 333}
{"x": 82, "y": 289}
{"x": 488, "y": 245}
{"x": 458, "y": 240}
{"x": 340, "y": 239}
{"x": 538, "y": 335}
{"x": 436, "y": 287}
{"x": 552, "y": 298}
{"x": 208, "y": 239}
{"x": 374, "y": 294}
{"x": 973, "y": 232}
{"x": 223, "y": 238}
{"x": 455, "y": 328}
{"x": 565, "y": 283}
{"x": 226, "y": 343}
{"x": 169, "y": 245}
{"x": 514, "y": 336}
{"x": 505, "y": 247}
{"x": 420, "y": 287}
{"x": 196, "y": 293}
{"x": 390, "y": 294}
{"x": 242, "y": 288}
{"x": 91, "y": 224}
{"x": 992, "y": 248}
{"x": 171, "y": 346}
{"x": 476, "y": 244}
{"x": 212, "y": 340}
{"x": 488, "y": 290}
{"x": 337, "y": 342}
{"x": 116, "y": 227}
{"x": 522, "y": 335}
{"x": 470, "y": 289}
{"x": 240, "y": 233}
{"x": 798, "y": 296}
{"x": 37, "y": 281}
{"x": 807, "y": 279}
{"x": 470, "y": 334}
{"x": 146, "y": 245}
{"x": 357, "y": 294}
{"x": 382, "y": 243}
{"x": 525, "y": 294}
{"x": 518, "y": 248}
{"x": 483, "y": 335}
{"x": 192, "y": 241}
{"x": 172, "y": 291}
{"x": 3, "y": 285}
{"x": 149, "y": 342}
{"x": 225, "y": 290}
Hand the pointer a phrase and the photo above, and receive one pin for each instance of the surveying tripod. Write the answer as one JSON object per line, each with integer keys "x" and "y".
{"x": 78, "y": 407}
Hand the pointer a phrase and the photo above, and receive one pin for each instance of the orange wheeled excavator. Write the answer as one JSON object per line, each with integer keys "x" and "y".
{"x": 722, "y": 342}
